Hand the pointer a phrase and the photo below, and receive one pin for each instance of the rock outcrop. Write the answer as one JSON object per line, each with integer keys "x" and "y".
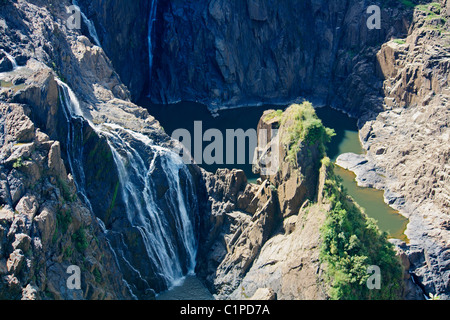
{"x": 51, "y": 59}
{"x": 260, "y": 237}
{"x": 44, "y": 227}
{"x": 408, "y": 143}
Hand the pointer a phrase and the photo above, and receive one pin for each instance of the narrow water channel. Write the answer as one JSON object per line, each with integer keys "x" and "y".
{"x": 372, "y": 200}
{"x": 184, "y": 114}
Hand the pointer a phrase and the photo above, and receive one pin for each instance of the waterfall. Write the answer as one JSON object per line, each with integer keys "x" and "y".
{"x": 11, "y": 59}
{"x": 151, "y": 25}
{"x": 165, "y": 223}
{"x": 143, "y": 211}
{"x": 89, "y": 24}
{"x": 74, "y": 140}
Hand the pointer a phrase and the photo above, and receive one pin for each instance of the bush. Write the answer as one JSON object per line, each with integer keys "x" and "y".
{"x": 351, "y": 243}
{"x": 63, "y": 220}
{"x": 303, "y": 125}
{"x": 80, "y": 241}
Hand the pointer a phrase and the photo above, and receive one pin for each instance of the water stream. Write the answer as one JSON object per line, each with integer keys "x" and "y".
{"x": 168, "y": 232}
{"x": 346, "y": 140}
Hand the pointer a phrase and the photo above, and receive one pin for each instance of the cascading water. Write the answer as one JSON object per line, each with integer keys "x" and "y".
{"x": 75, "y": 122}
{"x": 11, "y": 59}
{"x": 89, "y": 24}
{"x": 164, "y": 222}
{"x": 151, "y": 27}
{"x": 163, "y": 232}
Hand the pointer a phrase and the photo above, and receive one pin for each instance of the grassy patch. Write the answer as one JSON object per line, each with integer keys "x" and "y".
{"x": 399, "y": 41}
{"x": 66, "y": 192}
{"x": 303, "y": 125}
{"x": 18, "y": 163}
{"x": 351, "y": 243}
{"x": 275, "y": 114}
{"x": 63, "y": 220}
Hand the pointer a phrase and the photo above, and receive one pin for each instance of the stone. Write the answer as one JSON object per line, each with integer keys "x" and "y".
{"x": 15, "y": 262}
{"x": 5, "y": 65}
{"x": 30, "y": 292}
{"x": 22, "y": 242}
{"x": 28, "y": 206}
{"x": 55, "y": 163}
{"x": 264, "y": 294}
{"x": 46, "y": 223}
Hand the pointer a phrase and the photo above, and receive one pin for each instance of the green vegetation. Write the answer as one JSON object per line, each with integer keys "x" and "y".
{"x": 68, "y": 252}
{"x": 399, "y": 41}
{"x": 63, "y": 220}
{"x": 18, "y": 163}
{"x": 66, "y": 192}
{"x": 303, "y": 125}
{"x": 408, "y": 3}
{"x": 79, "y": 240}
{"x": 97, "y": 275}
{"x": 276, "y": 114}
{"x": 351, "y": 243}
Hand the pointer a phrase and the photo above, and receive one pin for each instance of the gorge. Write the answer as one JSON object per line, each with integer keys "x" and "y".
{"x": 90, "y": 175}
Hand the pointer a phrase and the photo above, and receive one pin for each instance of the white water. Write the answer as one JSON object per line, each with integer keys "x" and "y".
{"x": 135, "y": 156}
{"x": 11, "y": 59}
{"x": 90, "y": 25}
{"x": 142, "y": 208}
{"x": 151, "y": 24}
{"x": 75, "y": 121}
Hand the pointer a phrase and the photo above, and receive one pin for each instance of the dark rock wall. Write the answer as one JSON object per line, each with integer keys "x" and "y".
{"x": 224, "y": 52}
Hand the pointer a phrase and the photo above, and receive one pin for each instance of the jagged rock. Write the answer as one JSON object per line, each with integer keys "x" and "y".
{"x": 30, "y": 293}
{"x": 28, "y": 206}
{"x": 22, "y": 242}
{"x": 15, "y": 262}
{"x": 408, "y": 142}
{"x": 55, "y": 163}
{"x": 46, "y": 222}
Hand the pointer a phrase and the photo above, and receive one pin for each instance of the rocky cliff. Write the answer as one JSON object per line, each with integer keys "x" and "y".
{"x": 252, "y": 51}
{"x": 275, "y": 237}
{"x": 408, "y": 142}
{"x": 69, "y": 133}
{"x": 68, "y": 181}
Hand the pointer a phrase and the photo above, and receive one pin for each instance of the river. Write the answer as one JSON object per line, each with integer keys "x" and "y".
{"x": 184, "y": 114}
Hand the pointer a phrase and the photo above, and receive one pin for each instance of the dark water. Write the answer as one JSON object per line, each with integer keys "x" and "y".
{"x": 190, "y": 288}
{"x": 184, "y": 114}
{"x": 372, "y": 200}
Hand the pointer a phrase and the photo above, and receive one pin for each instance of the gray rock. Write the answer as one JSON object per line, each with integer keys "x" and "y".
{"x": 5, "y": 65}
{"x": 15, "y": 262}
{"x": 22, "y": 242}
{"x": 366, "y": 172}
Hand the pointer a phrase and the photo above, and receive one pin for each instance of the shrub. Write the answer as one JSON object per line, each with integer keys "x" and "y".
{"x": 303, "y": 125}
{"x": 80, "y": 241}
{"x": 63, "y": 220}
{"x": 351, "y": 243}
{"x": 18, "y": 163}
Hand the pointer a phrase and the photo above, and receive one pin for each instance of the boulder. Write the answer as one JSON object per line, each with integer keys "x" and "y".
{"x": 15, "y": 262}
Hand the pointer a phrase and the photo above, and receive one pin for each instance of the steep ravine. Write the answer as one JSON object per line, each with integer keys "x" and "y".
{"x": 252, "y": 51}
{"x": 105, "y": 149}
{"x": 249, "y": 237}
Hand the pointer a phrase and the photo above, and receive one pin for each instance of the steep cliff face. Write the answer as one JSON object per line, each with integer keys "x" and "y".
{"x": 112, "y": 149}
{"x": 44, "y": 226}
{"x": 251, "y": 51}
{"x": 409, "y": 141}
